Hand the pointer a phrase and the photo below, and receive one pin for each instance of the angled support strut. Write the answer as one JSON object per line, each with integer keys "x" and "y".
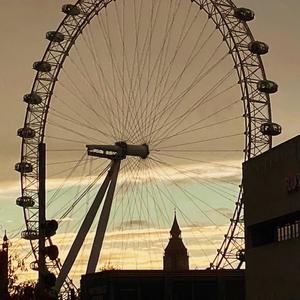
{"x": 87, "y": 223}
{"x": 115, "y": 153}
{"x": 103, "y": 220}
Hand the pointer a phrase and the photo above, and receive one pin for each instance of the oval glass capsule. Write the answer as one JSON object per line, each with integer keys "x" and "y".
{"x": 25, "y": 201}
{"x": 258, "y": 48}
{"x": 270, "y": 129}
{"x": 26, "y": 133}
{"x": 32, "y": 98}
{"x": 267, "y": 86}
{"x": 42, "y": 66}
{"x": 55, "y": 36}
{"x": 23, "y": 167}
{"x": 71, "y": 10}
{"x": 244, "y": 14}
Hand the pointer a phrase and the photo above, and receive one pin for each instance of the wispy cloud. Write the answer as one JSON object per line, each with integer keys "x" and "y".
{"x": 135, "y": 249}
{"x": 204, "y": 171}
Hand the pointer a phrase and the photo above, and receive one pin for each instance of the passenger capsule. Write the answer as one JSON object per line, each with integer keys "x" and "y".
{"x": 23, "y": 167}
{"x": 34, "y": 265}
{"x": 244, "y": 14}
{"x": 55, "y": 36}
{"x": 259, "y": 48}
{"x": 32, "y": 98}
{"x": 52, "y": 252}
{"x": 267, "y": 86}
{"x": 240, "y": 255}
{"x": 42, "y": 66}
{"x": 29, "y": 234}
{"x": 25, "y": 201}
{"x": 270, "y": 129}
{"x": 26, "y": 133}
{"x": 71, "y": 10}
{"x": 51, "y": 227}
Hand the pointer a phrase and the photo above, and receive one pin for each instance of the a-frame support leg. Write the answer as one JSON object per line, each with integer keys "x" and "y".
{"x": 103, "y": 220}
{"x": 85, "y": 227}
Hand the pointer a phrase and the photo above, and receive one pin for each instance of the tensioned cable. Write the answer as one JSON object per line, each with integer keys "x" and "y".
{"x": 169, "y": 22}
{"x": 169, "y": 179}
{"x": 202, "y": 182}
{"x": 83, "y": 101}
{"x": 66, "y": 117}
{"x": 192, "y": 177}
{"x": 129, "y": 188}
{"x": 202, "y": 161}
{"x": 66, "y": 178}
{"x": 154, "y": 112}
{"x": 187, "y": 130}
{"x": 65, "y": 139}
{"x": 86, "y": 77}
{"x": 168, "y": 196}
{"x": 135, "y": 65}
{"x": 165, "y": 49}
{"x": 189, "y": 127}
{"x": 182, "y": 37}
{"x": 216, "y": 112}
{"x": 114, "y": 68}
{"x": 198, "y": 103}
{"x": 142, "y": 59}
{"x": 170, "y": 102}
{"x": 204, "y": 140}
{"x": 75, "y": 132}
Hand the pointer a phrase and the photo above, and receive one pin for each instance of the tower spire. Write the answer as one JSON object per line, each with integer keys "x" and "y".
{"x": 175, "y": 230}
{"x": 5, "y": 238}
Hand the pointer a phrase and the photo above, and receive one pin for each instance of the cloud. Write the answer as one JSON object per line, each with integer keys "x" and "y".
{"x": 65, "y": 220}
{"x": 9, "y": 188}
{"x": 134, "y": 224}
{"x": 135, "y": 248}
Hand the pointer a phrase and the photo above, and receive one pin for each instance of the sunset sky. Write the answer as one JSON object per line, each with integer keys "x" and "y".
{"x": 22, "y": 32}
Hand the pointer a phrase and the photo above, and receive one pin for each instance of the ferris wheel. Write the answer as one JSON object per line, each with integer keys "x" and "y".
{"x": 145, "y": 106}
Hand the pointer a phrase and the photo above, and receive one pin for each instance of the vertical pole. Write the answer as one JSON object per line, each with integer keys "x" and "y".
{"x": 42, "y": 212}
{"x": 4, "y": 271}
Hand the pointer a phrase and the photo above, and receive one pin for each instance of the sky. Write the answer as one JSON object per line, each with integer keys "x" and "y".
{"x": 23, "y": 42}
{"x": 23, "y": 28}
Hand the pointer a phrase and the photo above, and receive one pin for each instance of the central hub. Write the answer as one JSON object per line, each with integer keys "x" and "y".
{"x": 118, "y": 151}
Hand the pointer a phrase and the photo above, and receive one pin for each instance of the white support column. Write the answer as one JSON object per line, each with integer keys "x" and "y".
{"x": 85, "y": 227}
{"x": 103, "y": 220}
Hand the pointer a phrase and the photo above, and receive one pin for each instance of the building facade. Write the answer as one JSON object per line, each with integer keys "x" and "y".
{"x": 163, "y": 285}
{"x": 271, "y": 183}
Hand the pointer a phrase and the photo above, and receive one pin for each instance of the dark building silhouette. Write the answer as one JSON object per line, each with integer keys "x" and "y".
{"x": 176, "y": 256}
{"x": 4, "y": 269}
{"x": 271, "y": 183}
{"x": 175, "y": 282}
{"x": 163, "y": 285}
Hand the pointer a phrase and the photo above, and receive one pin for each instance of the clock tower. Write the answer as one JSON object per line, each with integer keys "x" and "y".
{"x": 176, "y": 257}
